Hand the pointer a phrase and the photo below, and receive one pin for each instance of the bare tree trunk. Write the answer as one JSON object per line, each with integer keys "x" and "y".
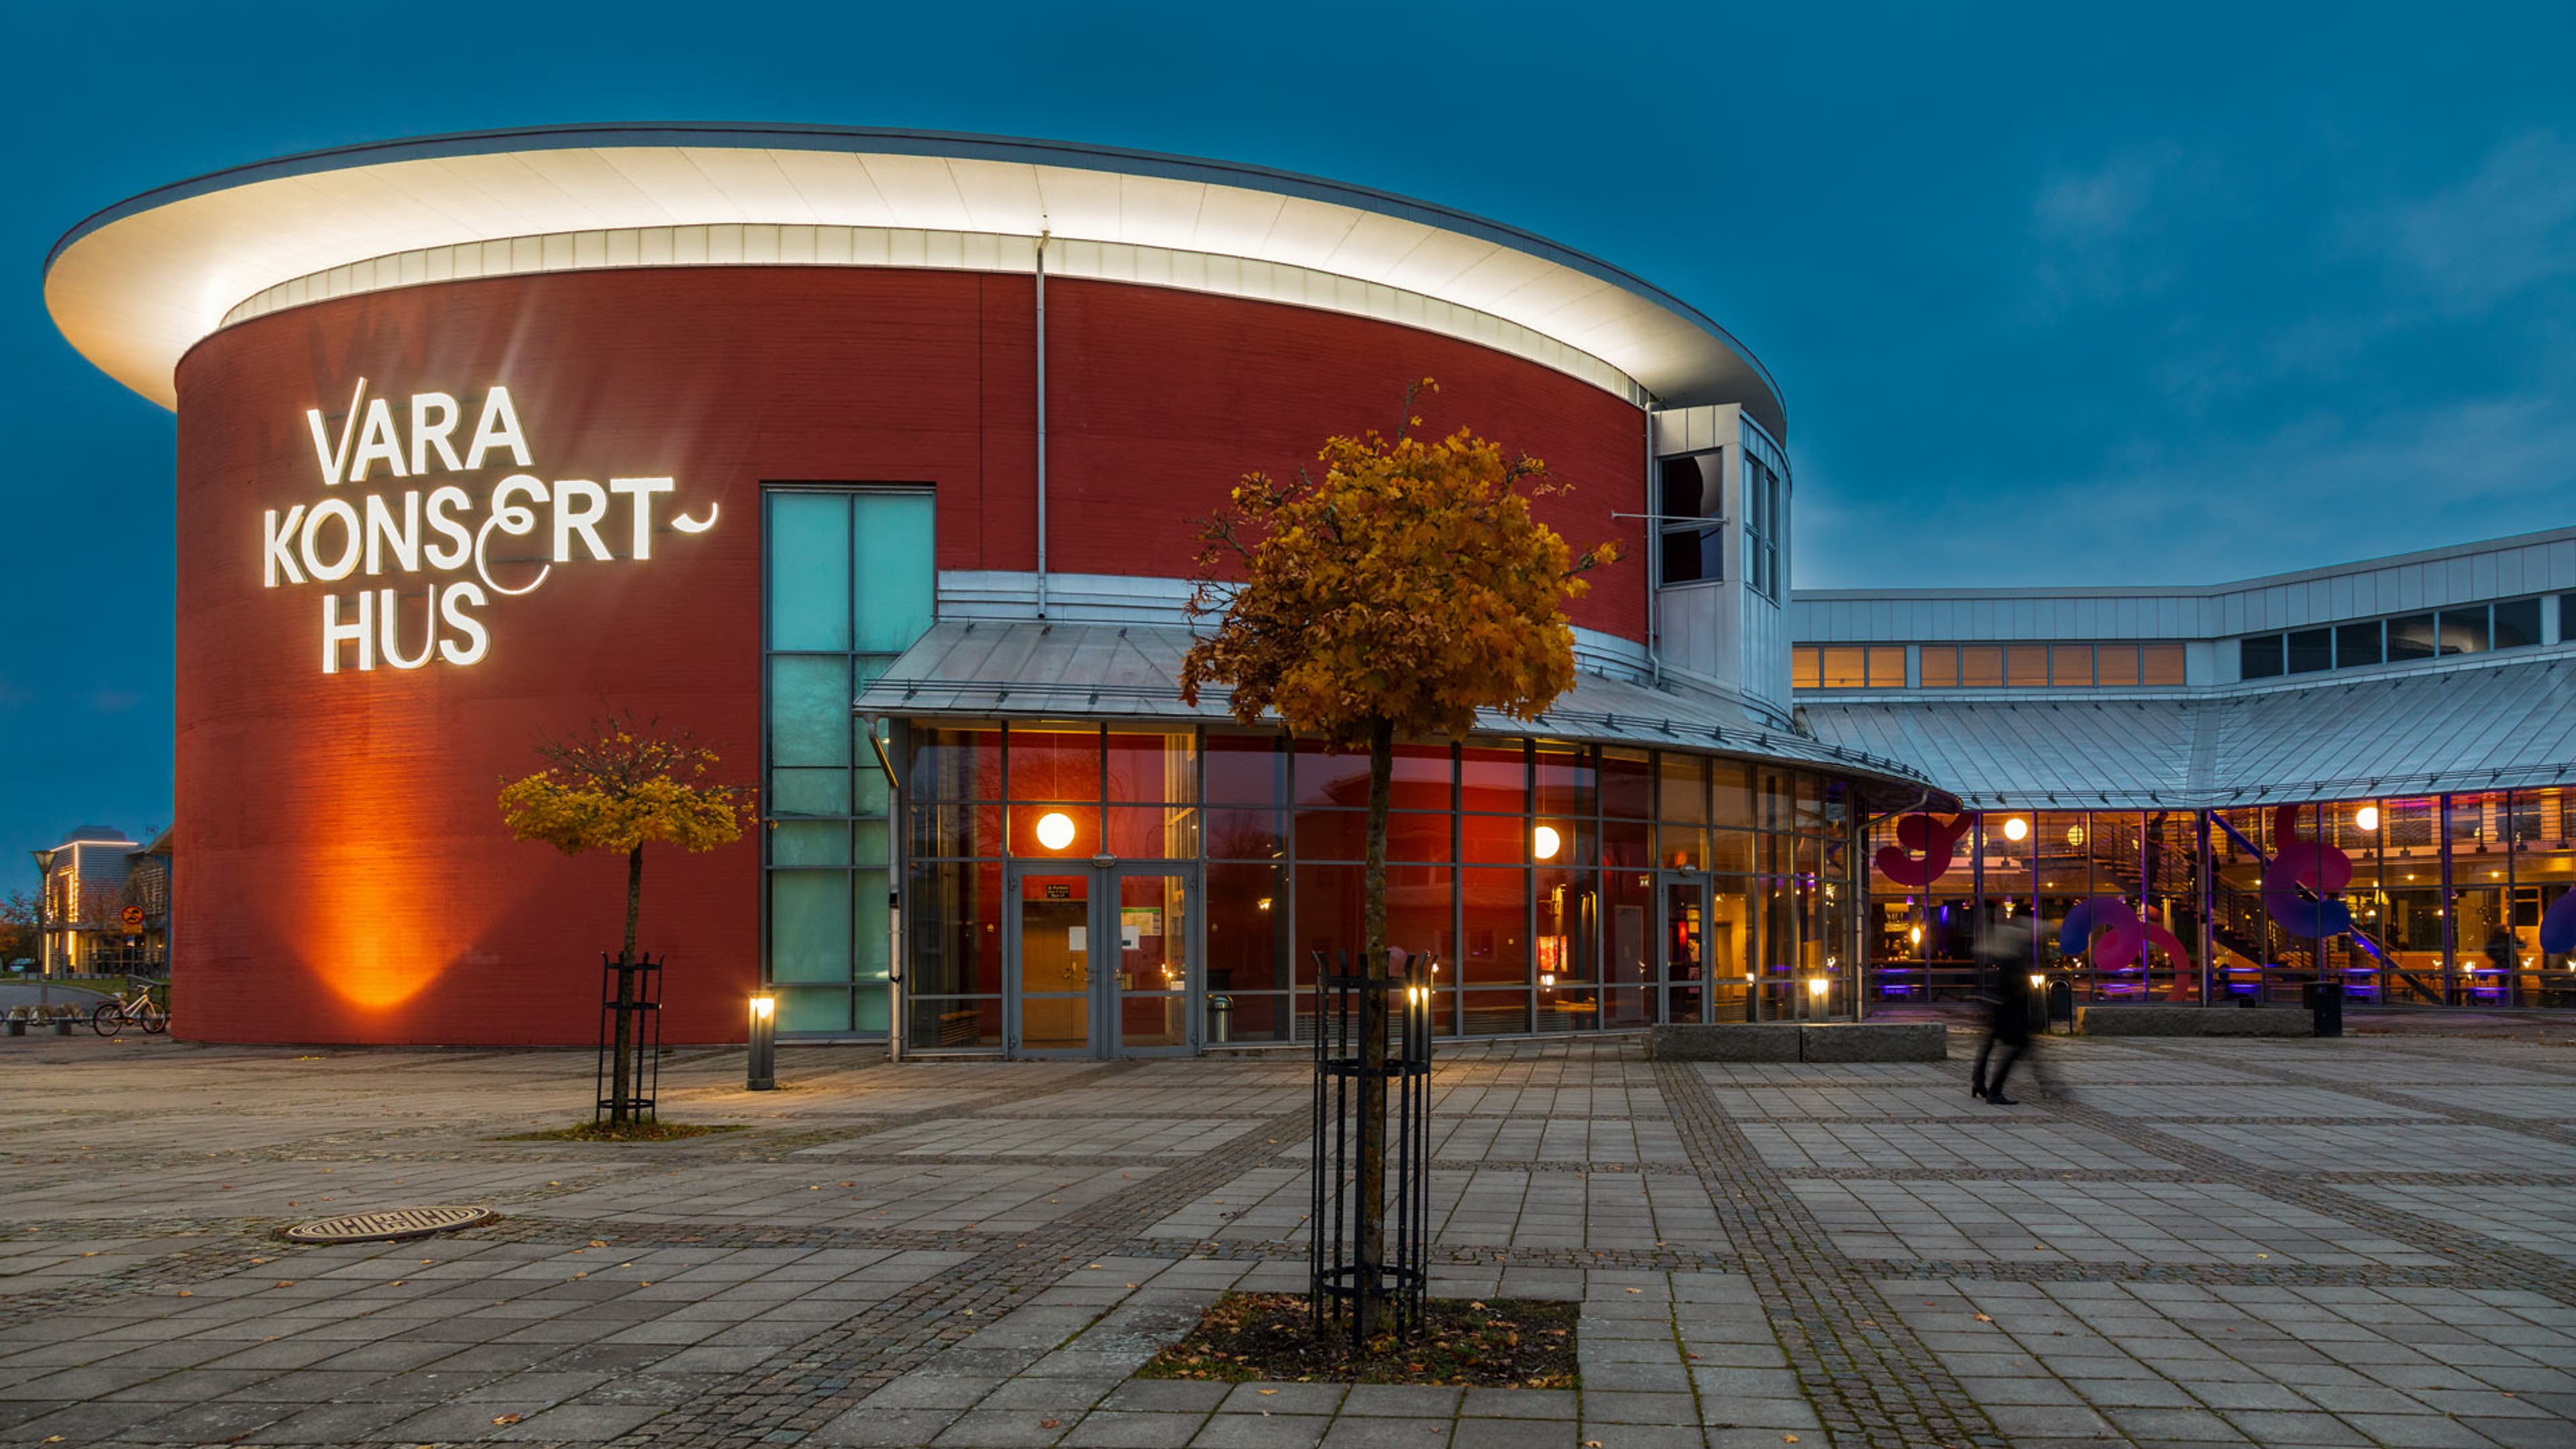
{"x": 622, "y": 1080}
{"x": 1372, "y": 1125}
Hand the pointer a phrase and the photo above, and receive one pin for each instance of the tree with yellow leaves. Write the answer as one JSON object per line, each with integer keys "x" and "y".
{"x": 1392, "y": 598}
{"x": 618, "y": 786}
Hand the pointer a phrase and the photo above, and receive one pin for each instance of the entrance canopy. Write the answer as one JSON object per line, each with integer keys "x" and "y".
{"x": 982, "y": 668}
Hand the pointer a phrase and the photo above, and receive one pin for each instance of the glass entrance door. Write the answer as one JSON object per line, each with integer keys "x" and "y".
{"x": 1103, "y": 960}
{"x": 1050, "y": 974}
{"x": 1155, "y": 948}
{"x": 1682, "y": 979}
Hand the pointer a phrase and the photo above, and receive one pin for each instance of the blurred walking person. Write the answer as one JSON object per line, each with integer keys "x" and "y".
{"x": 2005, "y": 951}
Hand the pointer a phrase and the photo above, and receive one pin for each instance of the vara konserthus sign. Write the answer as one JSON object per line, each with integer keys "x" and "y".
{"x": 444, "y": 524}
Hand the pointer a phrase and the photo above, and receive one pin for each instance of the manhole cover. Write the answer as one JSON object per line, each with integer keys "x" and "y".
{"x": 388, "y": 1227}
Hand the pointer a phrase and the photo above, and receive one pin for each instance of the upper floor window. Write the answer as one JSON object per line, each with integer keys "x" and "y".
{"x": 1690, "y": 525}
{"x": 1999, "y": 666}
{"x": 2433, "y": 634}
{"x": 1847, "y": 666}
{"x": 1762, "y": 519}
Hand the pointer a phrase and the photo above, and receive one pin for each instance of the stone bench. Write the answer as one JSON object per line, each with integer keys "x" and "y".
{"x": 1789, "y": 1041}
{"x": 2194, "y": 1021}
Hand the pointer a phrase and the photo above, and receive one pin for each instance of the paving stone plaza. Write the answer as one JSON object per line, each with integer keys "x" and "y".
{"x": 2369, "y": 1241}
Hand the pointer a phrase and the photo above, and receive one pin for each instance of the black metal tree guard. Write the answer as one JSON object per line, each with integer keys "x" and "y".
{"x": 630, "y": 994}
{"x": 1349, "y": 1008}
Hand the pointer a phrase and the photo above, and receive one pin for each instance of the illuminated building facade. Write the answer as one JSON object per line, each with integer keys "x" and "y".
{"x": 2363, "y": 773}
{"x": 872, "y": 458}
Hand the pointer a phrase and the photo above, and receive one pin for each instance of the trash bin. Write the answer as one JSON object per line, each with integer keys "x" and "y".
{"x": 2061, "y": 1001}
{"x": 2324, "y": 1001}
{"x": 1221, "y": 1019}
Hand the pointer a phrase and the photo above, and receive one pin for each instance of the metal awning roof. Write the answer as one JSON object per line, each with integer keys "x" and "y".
{"x": 982, "y": 668}
{"x": 2474, "y": 727}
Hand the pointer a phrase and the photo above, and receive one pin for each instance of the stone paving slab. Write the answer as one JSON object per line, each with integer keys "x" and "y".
{"x": 2357, "y": 1242}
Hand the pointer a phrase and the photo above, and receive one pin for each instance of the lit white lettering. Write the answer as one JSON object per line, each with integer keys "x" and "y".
{"x": 426, "y": 434}
{"x": 450, "y": 558}
{"x": 389, "y": 612}
{"x": 498, "y": 428}
{"x": 377, "y": 442}
{"x": 452, "y": 605}
{"x": 559, "y": 521}
{"x": 335, "y": 633}
{"x": 583, "y": 520}
{"x": 639, "y": 497}
{"x": 513, "y": 519}
{"x": 336, "y": 509}
{"x": 274, "y": 554}
{"x": 335, "y": 461}
{"x": 402, "y": 541}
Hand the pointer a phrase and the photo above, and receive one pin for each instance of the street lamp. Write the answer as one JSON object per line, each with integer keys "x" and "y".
{"x": 763, "y": 1067}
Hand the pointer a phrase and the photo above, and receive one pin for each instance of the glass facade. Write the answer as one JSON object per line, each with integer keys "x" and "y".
{"x": 1562, "y": 887}
{"x": 850, "y": 585}
{"x": 2444, "y": 900}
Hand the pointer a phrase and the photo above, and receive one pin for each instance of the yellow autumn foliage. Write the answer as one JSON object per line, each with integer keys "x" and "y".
{"x": 621, "y": 788}
{"x": 1408, "y": 587}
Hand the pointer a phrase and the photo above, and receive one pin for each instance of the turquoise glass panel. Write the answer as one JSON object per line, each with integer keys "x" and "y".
{"x": 814, "y": 1008}
{"x": 868, "y": 842}
{"x": 809, "y": 926}
{"x": 823, "y": 791}
{"x": 897, "y": 575}
{"x": 813, "y": 842}
{"x": 809, "y": 571}
{"x": 809, "y": 711}
{"x": 868, "y": 928}
{"x": 873, "y": 1007}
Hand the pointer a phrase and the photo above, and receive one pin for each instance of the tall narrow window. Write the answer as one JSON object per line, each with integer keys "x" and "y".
{"x": 850, "y": 586}
{"x": 1691, "y": 521}
{"x": 1761, "y": 527}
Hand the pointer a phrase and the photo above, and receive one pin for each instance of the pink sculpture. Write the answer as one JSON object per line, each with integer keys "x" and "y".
{"x": 1922, "y": 834}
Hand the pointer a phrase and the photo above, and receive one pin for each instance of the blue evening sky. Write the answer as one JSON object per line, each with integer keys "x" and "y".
{"x": 2055, "y": 297}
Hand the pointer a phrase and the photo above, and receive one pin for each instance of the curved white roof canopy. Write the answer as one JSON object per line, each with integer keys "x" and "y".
{"x": 138, "y": 284}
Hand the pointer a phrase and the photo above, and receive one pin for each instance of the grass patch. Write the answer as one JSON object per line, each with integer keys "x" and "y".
{"x": 624, "y": 1132}
{"x": 1516, "y": 1343}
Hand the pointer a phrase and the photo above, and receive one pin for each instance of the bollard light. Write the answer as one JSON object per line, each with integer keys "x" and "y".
{"x": 762, "y": 1073}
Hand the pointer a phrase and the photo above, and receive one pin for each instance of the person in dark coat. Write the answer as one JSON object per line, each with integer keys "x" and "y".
{"x": 2006, "y": 953}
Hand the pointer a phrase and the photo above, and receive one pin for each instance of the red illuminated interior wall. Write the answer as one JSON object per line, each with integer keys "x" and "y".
{"x": 342, "y": 873}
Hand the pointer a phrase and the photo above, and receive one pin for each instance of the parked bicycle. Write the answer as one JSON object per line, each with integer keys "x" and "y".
{"x": 141, "y": 1009}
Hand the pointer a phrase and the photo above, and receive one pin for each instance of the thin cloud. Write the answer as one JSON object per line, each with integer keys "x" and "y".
{"x": 2504, "y": 230}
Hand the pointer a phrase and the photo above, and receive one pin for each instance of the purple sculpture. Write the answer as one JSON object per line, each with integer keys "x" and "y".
{"x": 1922, "y": 834}
{"x": 2321, "y": 868}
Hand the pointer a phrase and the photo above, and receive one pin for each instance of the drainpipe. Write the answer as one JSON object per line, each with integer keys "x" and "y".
{"x": 1654, "y": 560}
{"x": 1041, "y": 350}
